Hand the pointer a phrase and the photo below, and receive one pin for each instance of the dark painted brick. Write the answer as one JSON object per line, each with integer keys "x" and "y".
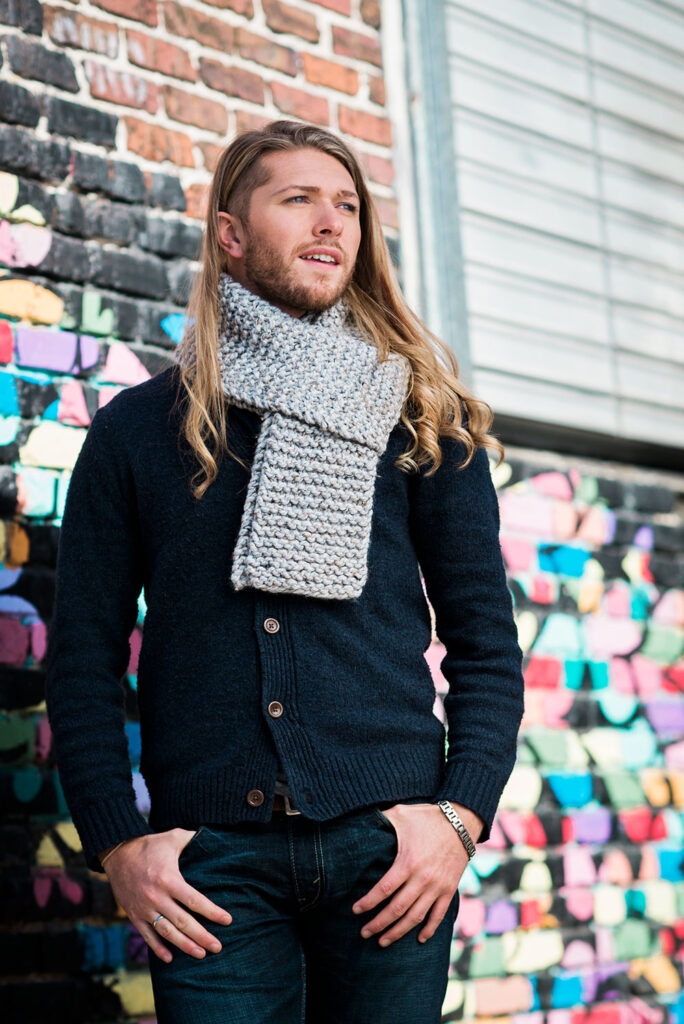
{"x": 8, "y": 495}
{"x": 154, "y": 362}
{"x": 171, "y": 237}
{"x": 627, "y": 525}
{"x": 79, "y": 122}
{"x": 180, "y": 279}
{"x": 68, "y": 215}
{"x": 115, "y": 222}
{"x": 612, "y": 491}
{"x": 650, "y": 498}
{"x": 132, "y": 273}
{"x": 610, "y": 560}
{"x": 31, "y": 60}
{"x": 667, "y": 571}
{"x": 31, "y": 194}
{"x": 115, "y": 178}
{"x": 166, "y": 191}
{"x": 18, "y": 105}
{"x": 68, "y": 259}
{"x": 26, "y": 14}
{"x": 151, "y": 316}
{"x": 668, "y": 538}
{"x": 22, "y": 153}
{"x": 125, "y": 310}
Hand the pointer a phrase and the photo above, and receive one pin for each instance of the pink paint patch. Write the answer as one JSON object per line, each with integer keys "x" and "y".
{"x": 674, "y": 757}
{"x": 543, "y": 673}
{"x": 638, "y": 676}
{"x": 597, "y": 526}
{"x": 42, "y": 887}
{"x": 497, "y": 996}
{"x": 14, "y": 640}
{"x": 617, "y": 601}
{"x": 578, "y": 954}
{"x": 578, "y": 867}
{"x": 535, "y": 834}
{"x": 122, "y": 366}
{"x": 434, "y": 656}
{"x": 497, "y": 839}
{"x": 615, "y": 868}
{"x": 607, "y": 636}
{"x": 513, "y": 825}
{"x": 605, "y": 945}
{"x": 72, "y": 405}
{"x": 669, "y": 611}
{"x": 6, "y": 342}
{"x": 471, "y": 916}
{"x": 31, "y": 244}
{"x": 43, "y": 740}
{"x": 543, "y": 590}
{"x": 556, "y": 707}
{"x": 526, "y": 513}
{"x": 6, "y": 244}
{"x": 579, "y": 902}
{"x": 135, "y": 642}
{"x": 565, "y": 520}
{"x": 556, "y": 1017}
{"x": 38, "y": 640}
{"x": 555, "y": 485}
{"x": 518, "y": 554}
{"x": 106, "y": 393}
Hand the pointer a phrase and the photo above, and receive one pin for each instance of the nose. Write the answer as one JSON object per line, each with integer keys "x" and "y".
{"x": 329, "y": 221}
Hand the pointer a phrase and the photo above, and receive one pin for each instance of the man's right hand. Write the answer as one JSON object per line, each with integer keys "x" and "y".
{"x": 146, "y": 881}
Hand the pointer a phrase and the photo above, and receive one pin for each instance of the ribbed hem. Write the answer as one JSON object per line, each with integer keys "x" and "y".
{"x": 476, "y": 786}
{"x": 106, "y": 823}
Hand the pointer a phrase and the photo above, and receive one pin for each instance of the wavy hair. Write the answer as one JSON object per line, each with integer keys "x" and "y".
{"x": 437, "y": 401}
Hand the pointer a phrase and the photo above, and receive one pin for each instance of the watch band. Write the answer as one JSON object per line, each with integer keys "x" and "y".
{"x": 459, "y": 826}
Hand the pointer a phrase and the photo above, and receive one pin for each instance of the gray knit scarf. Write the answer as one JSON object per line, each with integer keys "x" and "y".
{"x": 328, "y": 408}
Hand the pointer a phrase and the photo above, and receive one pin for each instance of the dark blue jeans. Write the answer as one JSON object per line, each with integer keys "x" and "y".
{"x": 293, "y": 953}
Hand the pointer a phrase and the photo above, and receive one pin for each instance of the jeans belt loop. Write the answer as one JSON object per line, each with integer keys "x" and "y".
{"x": 289, "y": 809}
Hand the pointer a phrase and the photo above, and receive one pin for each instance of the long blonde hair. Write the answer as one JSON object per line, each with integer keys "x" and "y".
{"x": 436, "y": 399}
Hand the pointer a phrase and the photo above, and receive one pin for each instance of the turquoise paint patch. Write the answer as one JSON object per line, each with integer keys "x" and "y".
{"x": 26, "y": 785}
{"x": 635, "y": 901}
{"x": 640, "y": 605}
{"x": 535, "y": 1004}
{"x": 571, "y": 790}
{"x": 51, "y": 412}
{"x": 103, "y": 948}
{"x": 671, "y": 864}
{"x": 598, "y": 670}
{"x": 8, "y": 428}
{"x": 567, "y": 991}
{"x": 639, "y": 745}
{"x": 563, "y": 560}
{"x": 617, "y": 707}
{"x": 173, "y": 326}
{"x": 574, "y": 673}
{"x": 8, "y": 395}
{"x": 134, "y": 743}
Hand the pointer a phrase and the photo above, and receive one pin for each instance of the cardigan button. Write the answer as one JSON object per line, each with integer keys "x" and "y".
{"x": 255, "y": 797}
{"x": 271, "y": 625}
{"x": 275, "y": 709}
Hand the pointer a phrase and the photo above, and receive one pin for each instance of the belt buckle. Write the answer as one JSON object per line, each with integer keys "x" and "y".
{"x": 289, "y": 809}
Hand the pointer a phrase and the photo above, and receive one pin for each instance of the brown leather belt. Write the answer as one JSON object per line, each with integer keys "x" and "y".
{"x": 283, "y": 803}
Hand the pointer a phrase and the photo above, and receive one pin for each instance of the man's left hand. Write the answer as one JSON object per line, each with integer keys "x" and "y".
{"x": 425, "y": 874}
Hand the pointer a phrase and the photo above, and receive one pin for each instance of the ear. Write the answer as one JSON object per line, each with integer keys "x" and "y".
{"x": 230, "y": 234}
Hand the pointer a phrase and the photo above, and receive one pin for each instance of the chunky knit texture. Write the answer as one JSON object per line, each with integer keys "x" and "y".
{"x": 329, "y": 406}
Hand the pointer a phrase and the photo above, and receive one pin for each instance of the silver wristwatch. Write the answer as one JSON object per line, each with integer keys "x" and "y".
{"x": 459, "y": 826}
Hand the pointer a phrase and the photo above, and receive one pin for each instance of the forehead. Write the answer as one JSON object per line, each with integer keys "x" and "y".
{"x": 305, "y": 166}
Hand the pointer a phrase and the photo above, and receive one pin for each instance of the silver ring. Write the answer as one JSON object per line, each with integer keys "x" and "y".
{"x": 154, "y": 923}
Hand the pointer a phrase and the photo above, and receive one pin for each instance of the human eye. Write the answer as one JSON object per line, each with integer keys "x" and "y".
{"x": 352, "y": 207}
{"x": 295, "y": 197}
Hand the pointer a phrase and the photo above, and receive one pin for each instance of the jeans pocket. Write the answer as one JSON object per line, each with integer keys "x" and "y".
{"x": 191, "y": 840}
{"x": 383, "y": 818}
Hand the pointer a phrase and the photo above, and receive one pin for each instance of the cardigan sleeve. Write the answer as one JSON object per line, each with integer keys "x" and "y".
{"x": 98, "y": 581}
{"x": 455, "y": 524}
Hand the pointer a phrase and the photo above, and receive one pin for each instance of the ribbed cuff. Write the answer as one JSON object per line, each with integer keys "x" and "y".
{"x": 474, "y": 786}
{"x": 106, "y": 823}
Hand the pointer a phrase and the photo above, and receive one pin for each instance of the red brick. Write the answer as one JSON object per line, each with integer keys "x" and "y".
{"x": 210, "y": 153}
{"x": 376, "y": 90}
{"x": 378, "y": 168}
{"x": 365, "y": 126}
{"x": 196, "y": 197}
{"x": 300, "y": 104}
{"x": 232, "y": 81}
{"x": 69, "y": 28}
{"x": 246, "y": 121}
{"x": 355, "y": 44}
{"x": 157, "y": 55}
{"x": 152, "y": 142}
{"x": 239, "y": 6}
{"x": 341, "y": 6}
{"x": 281, "y": 17}
{"x": 388, "y": 211}
{"x": 370, "y": 12}
{"x": 121, "y": 87}
{"x": 138, "y": 10}
{"x": 324, "y": 72}
{"x": 195, "y": 110}
{"x": 266, "y": 52}
{"x": 191, "y": 24}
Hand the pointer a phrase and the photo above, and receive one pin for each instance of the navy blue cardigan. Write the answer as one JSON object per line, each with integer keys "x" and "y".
{"x": 358, "y": 725}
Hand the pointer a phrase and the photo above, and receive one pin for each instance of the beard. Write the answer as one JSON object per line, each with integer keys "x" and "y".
{"x": 276, "y": 283}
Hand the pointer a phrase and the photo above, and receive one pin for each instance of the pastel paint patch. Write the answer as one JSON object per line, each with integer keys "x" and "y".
{"x": 579, "y": 902}
{"x": 52, "y": 445}
{"x": 72, "y": 408}
{"x": 532, "y": 951}
{"x": 122, "y": 366}
{"x": 35, "y": 492}
{"x": 501, "y": 917}
{"x": 9, "y": 192}
{"x": 607, "y": 636}
{"x": 578, "y": 954}
{"x": 8, "y": 428}
{"x": 173, "y": 326}
{"x": 669, "y": 610}
{"x": 23, "y": 245}
{"x": 6, "y": 342}
{"x": 95, "y": 319}
{"x": 578, "y": 866}
{"x": 523, "y": 789}
{"x": 525, "y": 513}
{"x": 553, "y": 484}
{"x": 639, "y": 676}
{"x": 57, "y": 351}
{"x": 560, "y": 635}
{"x": 497, "y": 996}
{"x": 28, "y": 301}
{"x": 520, "y": 555}
{"x": 609, "y": 905}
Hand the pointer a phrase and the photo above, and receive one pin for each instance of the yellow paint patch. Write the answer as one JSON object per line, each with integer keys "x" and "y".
{"x": 9, "y": 190}
{"x": 527, "y": 952}
{"x": 134, "y": 989}
{"x": 52, "y": 445}
{"x": 28, "y": 301}
{"x": 659, "y": 971}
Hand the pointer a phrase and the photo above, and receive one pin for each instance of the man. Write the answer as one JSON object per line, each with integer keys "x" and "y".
{"x": 304, "y": 826}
